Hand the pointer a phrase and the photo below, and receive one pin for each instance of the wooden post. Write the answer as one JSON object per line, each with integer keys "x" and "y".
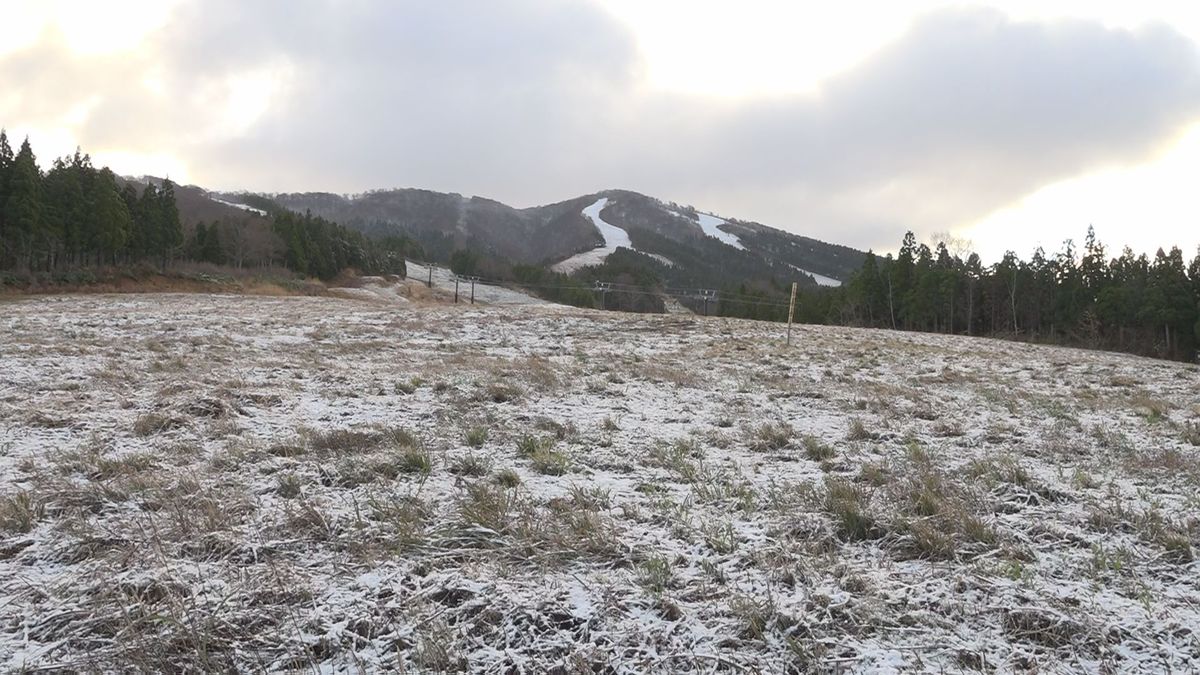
{"x": 429, "y": 284}
{"x": 791, "y": 314}
{"x": 472, "y": 290}
{"x": 456, "y": 289}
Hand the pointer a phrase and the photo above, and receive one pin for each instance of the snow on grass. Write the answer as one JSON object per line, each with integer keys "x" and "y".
{"x": 614, "y": 238}
{"x": 443, "y": 283}
{"x": 712, "y": 227}
{"x": 277, "y": 484}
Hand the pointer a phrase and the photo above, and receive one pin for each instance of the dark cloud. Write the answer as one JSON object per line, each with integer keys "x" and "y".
{"x": 535, "y": 100}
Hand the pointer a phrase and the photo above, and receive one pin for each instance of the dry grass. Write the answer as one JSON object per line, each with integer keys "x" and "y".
{"x": 689, "y": 497}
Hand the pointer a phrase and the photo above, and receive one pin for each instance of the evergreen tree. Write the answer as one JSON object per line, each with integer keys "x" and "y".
{"x": 464, "y": 262}
{"x": 1194, "y": 278}
{"x": 195, "y": 250}
{"x": 973, "y": 272}
{"x": 6, "y": 160}
{"x": 169, "y": 231}
{"x": 111, "y": 217}
{"x": 867, "y": 288}
{"x": 902, "y": 278}
{"x": 144, "y": 240}
{"x": 23, "y": 206}
{"x": 211, "y": 251}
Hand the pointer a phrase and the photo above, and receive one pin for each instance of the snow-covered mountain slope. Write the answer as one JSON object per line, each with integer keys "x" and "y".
{"x": 821, "y": 279}
{"x": 680, "y": 244}
{"x": 614, "y": 238}
{"x": 244, "y": 207}
{"x": 711, "y": 226}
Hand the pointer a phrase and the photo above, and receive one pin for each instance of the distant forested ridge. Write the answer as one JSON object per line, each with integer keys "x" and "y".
{"x": 75, "y": 216}
{"x": 1127, "y": 303}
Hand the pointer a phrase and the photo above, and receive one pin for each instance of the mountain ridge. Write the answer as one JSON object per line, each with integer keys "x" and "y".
{"x": 666, "y": 237}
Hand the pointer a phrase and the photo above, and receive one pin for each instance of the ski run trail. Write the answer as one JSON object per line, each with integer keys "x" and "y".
{"x": 614, "y": 238}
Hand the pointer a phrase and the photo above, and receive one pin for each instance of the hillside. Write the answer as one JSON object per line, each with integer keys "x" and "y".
{"x": 199, "y": 482}
{"x": 673, "y": 238}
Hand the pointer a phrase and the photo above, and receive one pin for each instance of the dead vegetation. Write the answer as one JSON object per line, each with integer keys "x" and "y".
{"x": 580, "y": 494}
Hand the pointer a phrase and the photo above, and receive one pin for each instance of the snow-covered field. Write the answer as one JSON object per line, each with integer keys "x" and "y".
{"x": 614, "y": 238}
{"x": 264, "y": 484}
{"x": 443, "y": 282}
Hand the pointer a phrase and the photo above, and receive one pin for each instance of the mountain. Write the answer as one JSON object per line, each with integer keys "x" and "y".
{"x": 683, "y": 246}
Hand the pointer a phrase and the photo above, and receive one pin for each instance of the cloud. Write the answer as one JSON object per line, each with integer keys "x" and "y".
{"x": 530, "y": 101}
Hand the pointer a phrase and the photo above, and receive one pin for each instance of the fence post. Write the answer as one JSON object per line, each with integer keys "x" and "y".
{"x": 791, "y": 313}
{"x": 472, "y": 290}
{"x": 429, "y": 284}
{"x": 456, "y": 289}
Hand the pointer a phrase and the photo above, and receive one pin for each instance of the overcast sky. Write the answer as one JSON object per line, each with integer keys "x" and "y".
{"x": 1014, "y": 125}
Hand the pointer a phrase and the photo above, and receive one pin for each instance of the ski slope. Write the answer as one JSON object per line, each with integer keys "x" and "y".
{"x": 614, "y": 238}
{"x": 821, "y": 279}
{"x": 243, "y": 207}
{"x": 709, "y": 223}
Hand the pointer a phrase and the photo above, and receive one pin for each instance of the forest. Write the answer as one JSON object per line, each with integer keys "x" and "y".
{"x": 77, "y": 216}
{"x": 1127, "y": 302}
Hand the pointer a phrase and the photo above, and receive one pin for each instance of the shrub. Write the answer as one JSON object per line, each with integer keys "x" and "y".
{"x": 550, "y": 462}
{"x": 150, "y": 424}
{"x": 1191, "y": 433}
{"x": 817, "y": 451}
{"x": 416, "y": 460}
{"x": 772, "y": 436}
{"x": 508, "y": 478}
{"x": 476, "y": 436}
{"x": 528, "y": 446}
{"x": 19, "y": 512}
{"x": 858, "y": 431}
{"x": 470, "y": 465}
{"x": 501, "y": 392}
{"x": 288, "y": 486}
{"x": 847, "y": 503}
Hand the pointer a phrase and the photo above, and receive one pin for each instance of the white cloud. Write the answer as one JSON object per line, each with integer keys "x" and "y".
{"x": 798, "y": 120}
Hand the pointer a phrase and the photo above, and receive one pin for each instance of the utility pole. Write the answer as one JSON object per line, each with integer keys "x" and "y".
{"x": 791, "y": 313}
{"x": 707, "y": 295}
{"x": 602, "y": 288}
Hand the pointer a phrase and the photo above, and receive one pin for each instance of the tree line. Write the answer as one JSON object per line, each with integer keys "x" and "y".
{"x": 321, "y": 248}
{"x": 1087, "y": 298}
{"x": 76, "y": 215}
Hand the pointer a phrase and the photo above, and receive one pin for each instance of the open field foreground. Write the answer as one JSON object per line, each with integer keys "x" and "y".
{"x": 209, "y": 482}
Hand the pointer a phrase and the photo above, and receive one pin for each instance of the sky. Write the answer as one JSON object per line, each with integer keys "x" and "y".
{"x": 1011, "y": 124}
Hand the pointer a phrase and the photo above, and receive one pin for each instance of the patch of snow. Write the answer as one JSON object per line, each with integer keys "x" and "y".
{"x": 376, "y": 289}
{"x": 661, "y": 258}
{"x": 443, "y": 282}
{"x": 711, "y": 226}
{"x": 821, "y": 279}
{"x": 614, "y": 238}
{"x": 244, "y": 207}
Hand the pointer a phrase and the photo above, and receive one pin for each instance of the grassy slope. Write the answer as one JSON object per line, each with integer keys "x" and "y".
{"x": 273, "y": 483}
